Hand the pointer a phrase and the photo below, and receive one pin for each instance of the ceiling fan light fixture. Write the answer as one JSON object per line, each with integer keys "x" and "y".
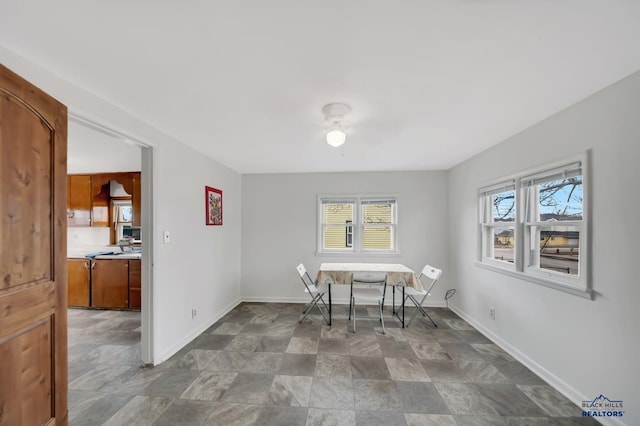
{"x": 334, "y": 116}
{"x": 336, "y": 137}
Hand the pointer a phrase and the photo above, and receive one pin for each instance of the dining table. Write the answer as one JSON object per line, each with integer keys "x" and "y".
{"x": 398, "y": 275}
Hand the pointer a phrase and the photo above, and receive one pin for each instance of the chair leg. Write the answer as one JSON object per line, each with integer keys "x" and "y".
{"x": 432, "y": 321}
{"x": 314, "y": 302}
{"x": 306, "y": 311}
{"x": 350, "y": 298}
{"x": 350, "y": 306}
{"x": 381, "y": 318}
{"x": 409, "y": 297}
{"x": 325, "y": 313}
{"x": 353, "y": 304}
{"x": 419, "y": 308}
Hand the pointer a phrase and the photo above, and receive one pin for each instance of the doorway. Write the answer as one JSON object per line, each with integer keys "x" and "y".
{"x": 123, "y": 152}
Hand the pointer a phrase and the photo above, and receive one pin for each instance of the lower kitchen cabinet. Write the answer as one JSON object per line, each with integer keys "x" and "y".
{"x": 135, "y": 283}
{"x": 104, "y": 283}
{"x": 110, "y": 283}
{"x": 78, "y": 282}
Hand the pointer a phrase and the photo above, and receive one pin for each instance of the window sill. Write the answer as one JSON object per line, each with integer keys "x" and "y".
{"x": 353, "y": 254}
{"x": 550, "y": 283}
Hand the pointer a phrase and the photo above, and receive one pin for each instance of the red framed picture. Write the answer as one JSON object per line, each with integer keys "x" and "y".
{"x": 213, "y": 200}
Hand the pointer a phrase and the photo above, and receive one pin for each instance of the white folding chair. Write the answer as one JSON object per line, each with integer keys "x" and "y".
{"x": 316, "y": 292}
{"x": 367, "y": 287}
{"x": 429, "y": 276}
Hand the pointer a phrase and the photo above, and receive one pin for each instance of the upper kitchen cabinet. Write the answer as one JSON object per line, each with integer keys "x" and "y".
{"x": 101, "y": 190}
{"x": 79, "y": 200}
{"x": 90, "y": 197}
{"x": 136, "y": 200}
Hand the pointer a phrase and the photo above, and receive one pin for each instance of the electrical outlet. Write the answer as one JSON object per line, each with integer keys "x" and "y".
{"x": 492, "y": 313}
{"x": 194, "y": 313}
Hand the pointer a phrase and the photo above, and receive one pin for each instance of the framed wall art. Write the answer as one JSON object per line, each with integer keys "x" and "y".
{"x": 213, "y": 200}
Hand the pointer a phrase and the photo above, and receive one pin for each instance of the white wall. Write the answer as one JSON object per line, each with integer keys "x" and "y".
{"x": 279, "y": 227}
{"x": 201, "y": 267}
{"x": 583, "y": 347}
{"x": 89, "y": 151}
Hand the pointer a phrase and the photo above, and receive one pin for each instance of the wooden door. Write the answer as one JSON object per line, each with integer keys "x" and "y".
{"x": 78, "y": 288}
{"x": 33, "y": 274}
{"x": 79, "y": 200}
{"x": 110, "y": 283}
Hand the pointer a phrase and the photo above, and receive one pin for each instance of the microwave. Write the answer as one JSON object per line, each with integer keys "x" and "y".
{"x": 135, "y": 232}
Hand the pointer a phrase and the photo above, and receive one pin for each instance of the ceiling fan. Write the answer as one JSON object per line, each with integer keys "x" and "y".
{"x": 334, "y": 114}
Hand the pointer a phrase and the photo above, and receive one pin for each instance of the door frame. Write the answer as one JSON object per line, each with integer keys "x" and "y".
{"x": 146, "y": 309}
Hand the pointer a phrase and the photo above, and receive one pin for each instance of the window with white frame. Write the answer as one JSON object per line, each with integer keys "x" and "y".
{"x": 535, "y": 225}
{"x": 553, "y": 222}
{"x": 498, "y": 221}
{"x": 357, "y": 225}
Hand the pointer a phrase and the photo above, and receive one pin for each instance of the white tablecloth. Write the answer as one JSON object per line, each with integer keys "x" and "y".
{"x": 341, "y": 273}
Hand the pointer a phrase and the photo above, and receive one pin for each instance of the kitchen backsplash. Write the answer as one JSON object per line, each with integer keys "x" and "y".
{"x": 78, "y": 237}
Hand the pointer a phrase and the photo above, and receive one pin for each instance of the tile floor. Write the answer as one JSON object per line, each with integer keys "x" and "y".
{"x": 259, "y": 366}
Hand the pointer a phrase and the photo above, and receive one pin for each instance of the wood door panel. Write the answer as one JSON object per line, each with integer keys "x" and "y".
{"x": 25, "y": 233}
{"x": 78, "y": 282}
{"x": 135, "y": 299}
{"x": 110, "y": 283}
{"x": 33, "y": 277}
{"x": 99, "y": 203}
{"x": 79, "y": 203}
{"x": 27, "y": 372}
{"x": 135, "y": 284}
{"x": 32, "y": 303}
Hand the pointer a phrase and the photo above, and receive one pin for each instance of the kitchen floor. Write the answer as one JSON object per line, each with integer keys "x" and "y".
{"x": 259, "y": 366}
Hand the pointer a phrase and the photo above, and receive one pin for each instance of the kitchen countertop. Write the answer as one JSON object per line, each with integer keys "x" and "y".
{"x": 134, "y": 255}
{"x": 111, "y": 252}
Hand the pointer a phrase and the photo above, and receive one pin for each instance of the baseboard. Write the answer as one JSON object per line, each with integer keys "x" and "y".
{"x": 554, "y": 381}
{"x": 197, "y": 331}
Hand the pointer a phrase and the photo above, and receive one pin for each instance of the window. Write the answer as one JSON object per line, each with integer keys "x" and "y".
{"x": 498, "y": 219}
{"x": 337, "y": 223}
{"x": 553, "y": 221}
{"x": 357, "y": 225}
{"x": 534, "y": 226}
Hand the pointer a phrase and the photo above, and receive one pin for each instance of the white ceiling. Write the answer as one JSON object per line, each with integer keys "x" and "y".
{"x": 431, "y": 82}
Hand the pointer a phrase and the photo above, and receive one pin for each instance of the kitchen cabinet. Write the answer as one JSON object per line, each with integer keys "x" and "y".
{"x": 135, "y": 283}
{"x": 79, "y": 200}
{"x": 89, "y": 198}
{"x": 78, "y": 282}
{"x": 101, "y": 193}
{"x": 110, "y": 283}
{"x": 136, "y": 199}
{"x": 105, "y": 283}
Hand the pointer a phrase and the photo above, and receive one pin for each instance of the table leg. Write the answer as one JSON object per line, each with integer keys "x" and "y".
{"x": 329, "y": 304}
{"x": 402, "y": 306}
{"x": 393, "y": 301}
